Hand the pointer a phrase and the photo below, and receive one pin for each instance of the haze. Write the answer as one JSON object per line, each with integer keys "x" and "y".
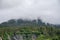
{"x": 47, "y": 10}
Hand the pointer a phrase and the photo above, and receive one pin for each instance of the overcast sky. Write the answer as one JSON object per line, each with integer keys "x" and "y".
{"x": 47, "y": 10}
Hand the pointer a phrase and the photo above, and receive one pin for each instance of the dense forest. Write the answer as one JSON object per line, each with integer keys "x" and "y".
{"x": 42, "y": 31}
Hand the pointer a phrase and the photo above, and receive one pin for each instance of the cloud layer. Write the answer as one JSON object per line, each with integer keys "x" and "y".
{"x": 47, "y": 10}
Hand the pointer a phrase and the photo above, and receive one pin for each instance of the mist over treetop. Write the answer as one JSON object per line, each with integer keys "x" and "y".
{"x": 48, "y": 10}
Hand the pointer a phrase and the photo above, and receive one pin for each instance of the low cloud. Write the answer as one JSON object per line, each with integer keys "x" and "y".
{"x": 47, "y": 10}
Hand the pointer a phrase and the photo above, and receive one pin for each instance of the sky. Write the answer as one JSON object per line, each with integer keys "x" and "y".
{"x": 47, "y": 10}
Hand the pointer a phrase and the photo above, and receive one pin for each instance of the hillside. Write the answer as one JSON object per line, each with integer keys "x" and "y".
{"x": 28, "y": 30}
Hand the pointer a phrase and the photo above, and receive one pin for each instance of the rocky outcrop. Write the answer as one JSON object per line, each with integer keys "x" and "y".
{"x": 17, "y": 37}
{"x": 21, "y": 37}
{"x": 0, "y": 38}
{"x": 34, "y": 37}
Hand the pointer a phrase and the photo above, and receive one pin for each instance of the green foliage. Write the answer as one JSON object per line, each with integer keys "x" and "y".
{"x": 37, "y": 27}
{"x": 5, "y": 37}
{"x": 43, "y": 37}
{"x": 43, "y": 33}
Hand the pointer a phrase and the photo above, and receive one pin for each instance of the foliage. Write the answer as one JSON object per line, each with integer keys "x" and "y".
{"x": 37, "y": 27}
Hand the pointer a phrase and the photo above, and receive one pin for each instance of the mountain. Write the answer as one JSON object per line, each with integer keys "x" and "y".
{"x": 25, "y": 22}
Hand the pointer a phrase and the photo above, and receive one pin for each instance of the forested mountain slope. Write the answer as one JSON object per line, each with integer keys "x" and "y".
{"x": 28, "y": 30}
